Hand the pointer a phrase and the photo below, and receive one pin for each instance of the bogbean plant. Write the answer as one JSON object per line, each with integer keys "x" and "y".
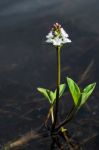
{"x": 58, "y": 37}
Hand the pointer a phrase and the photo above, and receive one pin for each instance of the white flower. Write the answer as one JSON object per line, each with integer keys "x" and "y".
{"x": 63, "y": 32}
{"x": 57, "y": 36}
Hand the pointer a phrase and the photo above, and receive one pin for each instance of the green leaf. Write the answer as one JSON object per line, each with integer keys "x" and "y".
{"x": 86, "y": 93}
{"x": 74, "y": 90}
{"x": 61, "y": 90}
{"x": 47, "y": 94}
{"x": 51, "y": 96}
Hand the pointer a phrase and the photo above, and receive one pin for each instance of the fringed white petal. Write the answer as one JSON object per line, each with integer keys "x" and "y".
{"x": 63, "y": 33}
{"x": 50, "y": 35}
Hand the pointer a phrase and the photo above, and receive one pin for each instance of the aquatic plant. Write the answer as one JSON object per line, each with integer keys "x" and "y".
{"x": 58, "y": 37}
{"x": 53, "y": 125}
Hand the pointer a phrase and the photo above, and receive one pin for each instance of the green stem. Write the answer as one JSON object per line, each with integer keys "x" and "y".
{"x": 58, "y": 66}
{"x": 58, "y": 83}
{"x": 52, "y": 114}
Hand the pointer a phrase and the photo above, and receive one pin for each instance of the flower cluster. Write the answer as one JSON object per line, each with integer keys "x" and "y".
{"x": 57, "y": 36}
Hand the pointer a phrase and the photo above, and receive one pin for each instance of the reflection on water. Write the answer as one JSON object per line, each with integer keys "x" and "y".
{"x": 27, "y": 62}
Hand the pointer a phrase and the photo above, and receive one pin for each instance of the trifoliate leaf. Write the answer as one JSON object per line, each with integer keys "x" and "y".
{"x": 51, "y": 96}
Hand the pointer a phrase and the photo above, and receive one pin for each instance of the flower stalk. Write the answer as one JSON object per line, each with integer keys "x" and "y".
{"x": 58, "y": 48}
{"x": 58, "y": 65}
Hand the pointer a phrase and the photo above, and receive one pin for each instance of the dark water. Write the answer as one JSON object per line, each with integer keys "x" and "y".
{"x": 27, "y": 62}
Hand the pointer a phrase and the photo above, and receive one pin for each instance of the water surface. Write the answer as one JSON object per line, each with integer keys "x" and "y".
{"x": 27, "y": 62}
